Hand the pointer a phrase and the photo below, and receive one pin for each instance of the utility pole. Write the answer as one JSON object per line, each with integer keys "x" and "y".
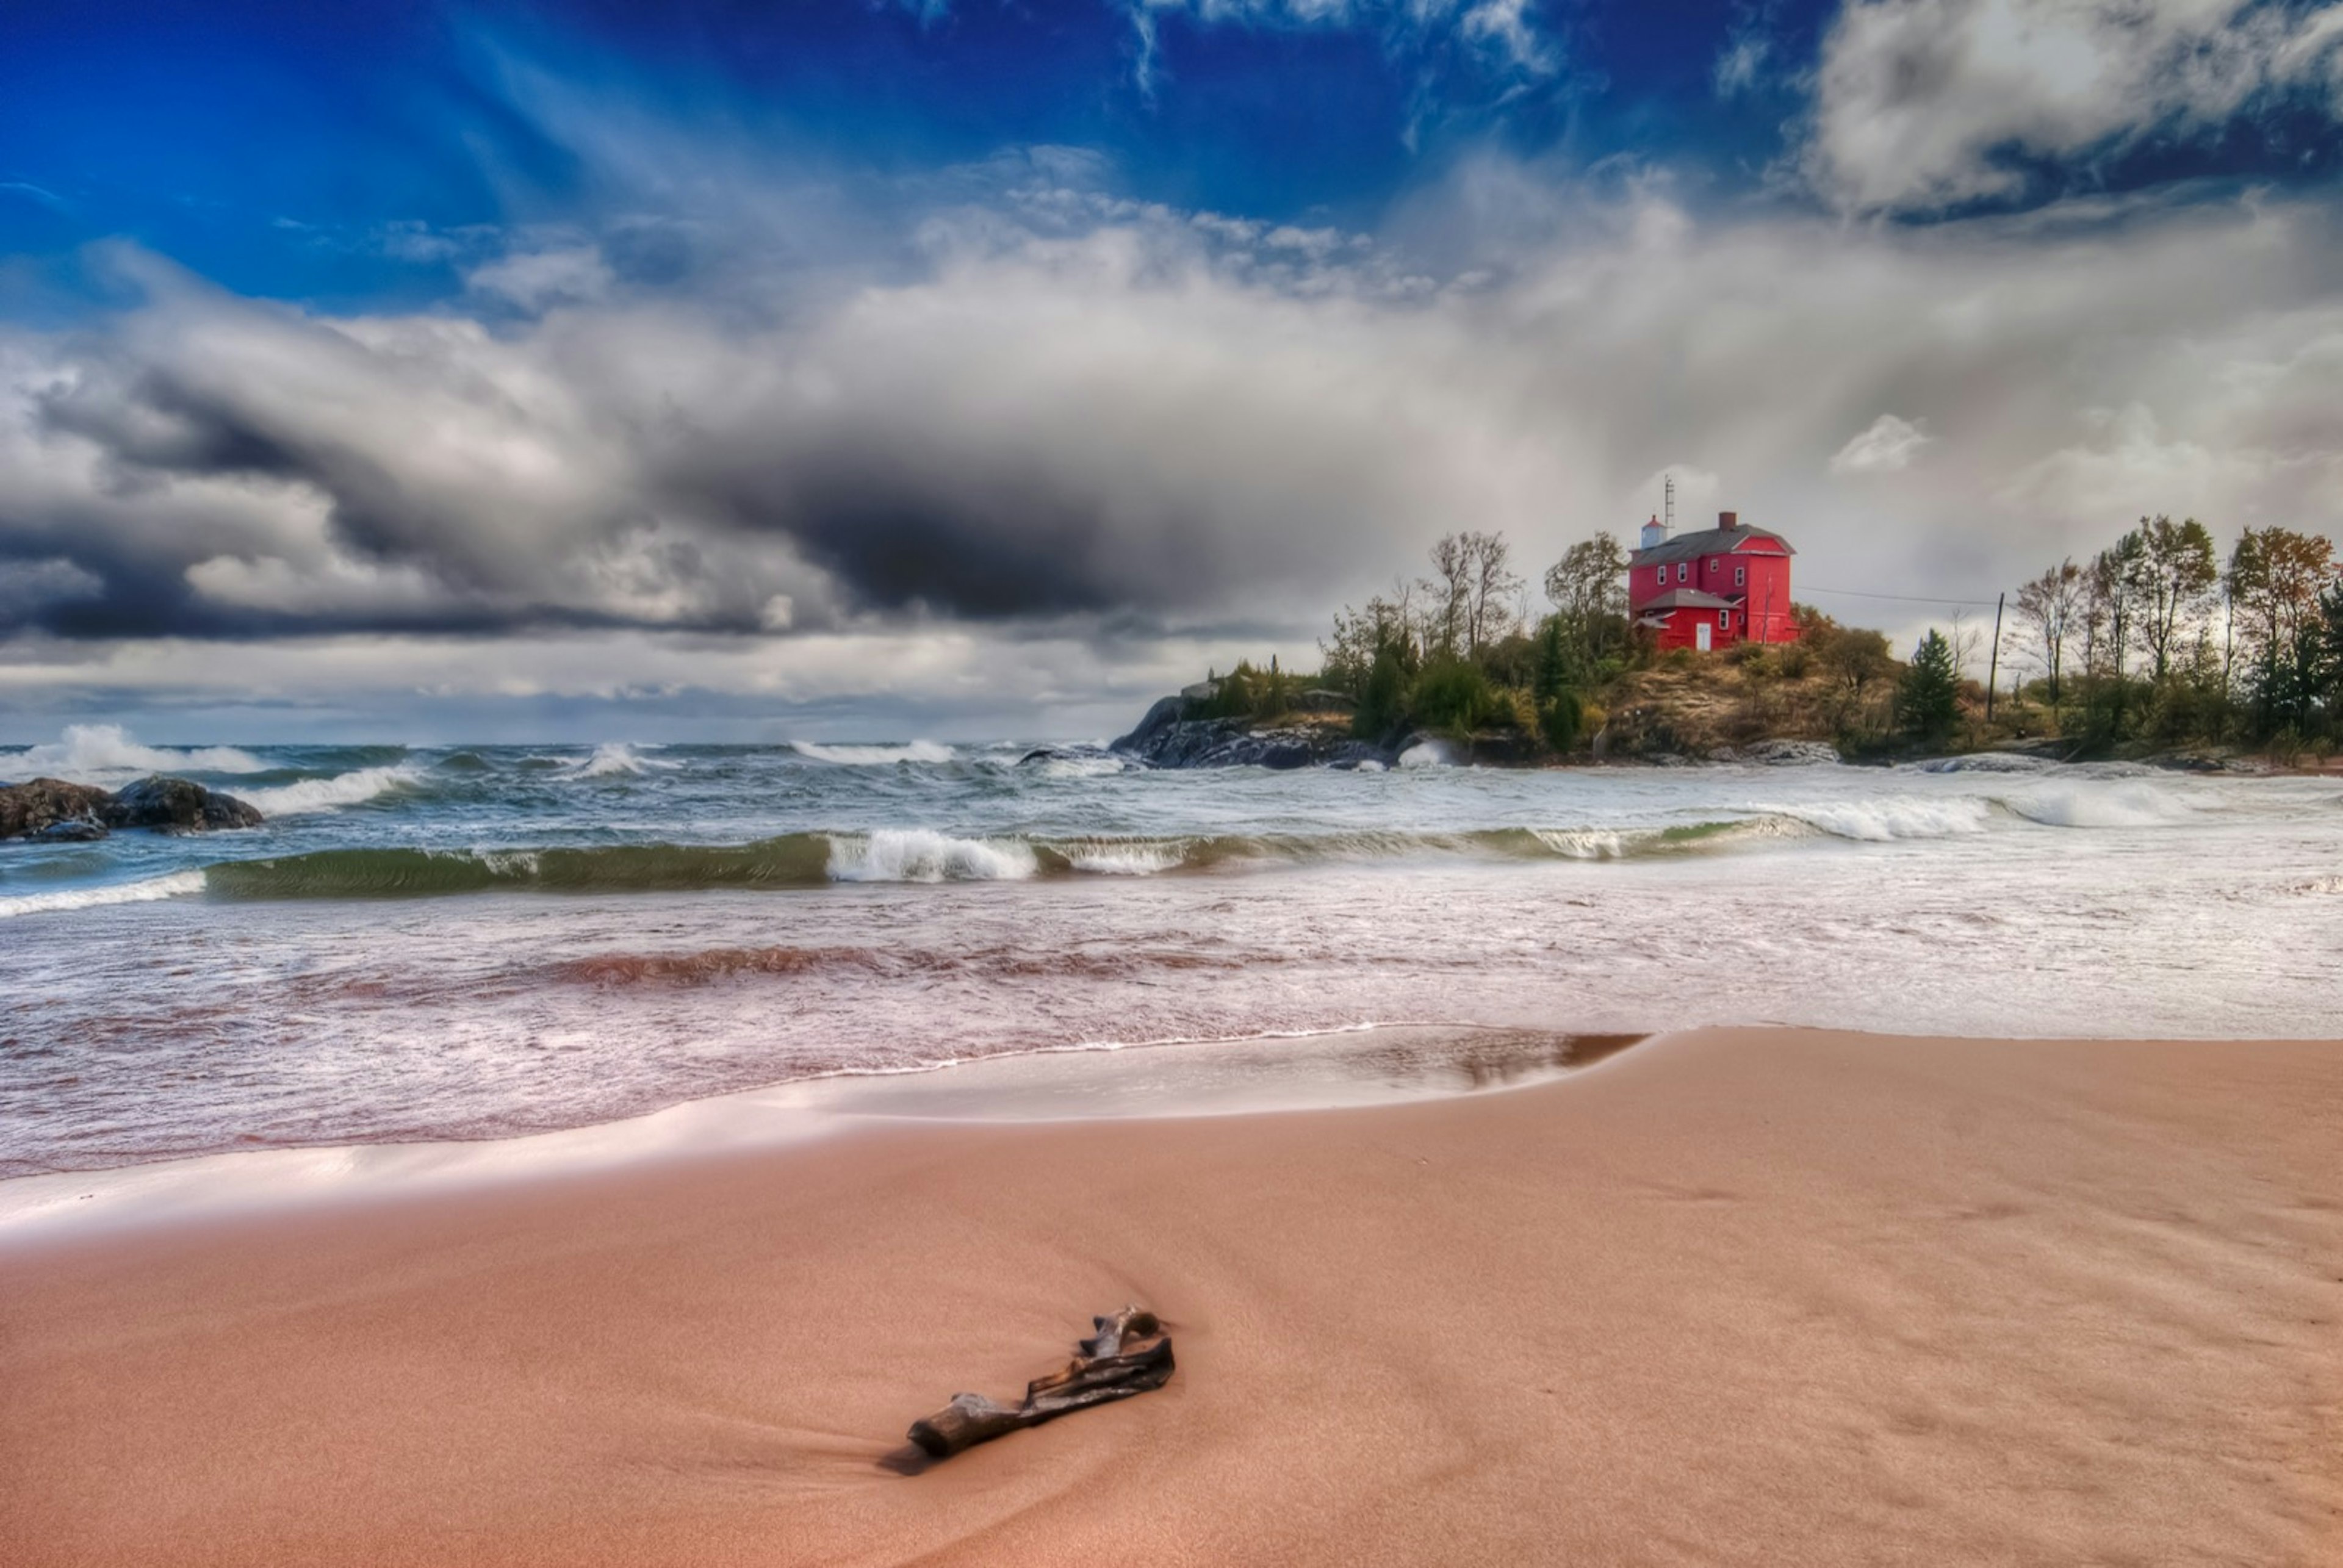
{"x": 1993, "y": 666}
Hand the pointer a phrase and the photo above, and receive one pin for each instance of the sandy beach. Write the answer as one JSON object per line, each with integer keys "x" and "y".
{"x": 1729, "y": 1297}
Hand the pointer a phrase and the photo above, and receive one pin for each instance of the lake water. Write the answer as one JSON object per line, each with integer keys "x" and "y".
{"x": 479, "y": 941}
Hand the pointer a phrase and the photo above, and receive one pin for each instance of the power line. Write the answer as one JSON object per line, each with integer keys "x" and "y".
{"x": 1903, "y": 598}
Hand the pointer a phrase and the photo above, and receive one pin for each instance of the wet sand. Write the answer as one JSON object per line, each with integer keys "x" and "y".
{"x": 1729, "y": 1297}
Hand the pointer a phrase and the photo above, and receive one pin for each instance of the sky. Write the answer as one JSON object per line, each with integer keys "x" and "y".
{"x": 874, "y": 369}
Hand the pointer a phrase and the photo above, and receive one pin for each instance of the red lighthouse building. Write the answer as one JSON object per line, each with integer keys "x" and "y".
{"x": 1711, "y": 587}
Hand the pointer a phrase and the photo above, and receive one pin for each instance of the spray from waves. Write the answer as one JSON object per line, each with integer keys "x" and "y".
{"x": 616, "y": 759}
{"x": 873, "y": 756}
{"x": 922, "y": 855}
{"x": 91, "y": 751}
{"x": 178, "y": 885}
{"x": 1427, "y": 754}
{"x": 2119, "y": 805}
{"x": 353, "y": 788}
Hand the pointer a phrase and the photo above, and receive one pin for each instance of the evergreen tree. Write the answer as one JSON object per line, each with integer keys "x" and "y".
{"x": 1928, "y": 700}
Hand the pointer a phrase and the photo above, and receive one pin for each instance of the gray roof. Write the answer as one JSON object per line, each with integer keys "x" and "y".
{"x": 1688, "y": 598}
{"x": 1694, "y": 543}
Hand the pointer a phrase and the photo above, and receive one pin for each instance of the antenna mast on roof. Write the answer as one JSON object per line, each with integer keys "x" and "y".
{"x": 1668, "y": 502}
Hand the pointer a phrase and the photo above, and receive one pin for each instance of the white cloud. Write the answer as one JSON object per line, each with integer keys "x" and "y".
{"x": 1886, "y": 446}
{"x": 1920, "y": 104}
{"x": 1138, "y": 437}
{"x": 537, "y": 280}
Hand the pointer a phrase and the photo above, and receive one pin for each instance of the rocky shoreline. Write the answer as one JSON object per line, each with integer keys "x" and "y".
{"x": 54, "y": 811}
{"x": 1167, "y": 738}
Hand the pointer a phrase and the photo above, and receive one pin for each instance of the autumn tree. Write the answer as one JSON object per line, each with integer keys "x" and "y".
{"x": 2052, "y": 604}
{"x": 2172, "y": 572}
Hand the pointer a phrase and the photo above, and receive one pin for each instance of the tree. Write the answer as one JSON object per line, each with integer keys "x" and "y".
{"x": 1928, "y": 700}
{"x": 2280, "y": 585}
{"x": 2274, "y": 582}
{"x": 2111, "y": 603}
{"x": 2051, "y": 604}
{"x": 1362, "y": 635}
{"x": 1493, "y": 590}
{"x": 1448, "y": 593}
{"x": 1383, "y": 695}
{"x": 2172, "y": 574}
{"x": 1588, "y": 588}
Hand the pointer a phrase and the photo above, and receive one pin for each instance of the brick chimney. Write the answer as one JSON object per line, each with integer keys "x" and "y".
{"x": 1728, "y": 519}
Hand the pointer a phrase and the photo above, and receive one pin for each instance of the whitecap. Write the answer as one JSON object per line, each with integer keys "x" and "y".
{"x": 324, "y": 794}
{"x": 1890, "y": 818}
{"x": 2126, "y": 805}
{"x": 178, "y": 884}
{"x": 1427, "y": 754}
{"x": 1587, "y": 843}
{"x": 616, "y": 759}
{"x": 1138, "y": 858}
{"x": 873, "y": 756}
{"x": 922, "y": 855}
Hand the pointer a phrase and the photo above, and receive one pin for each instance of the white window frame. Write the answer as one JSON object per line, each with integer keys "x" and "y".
{"x": 1683, "y": 570}
{"x": 1740, "y": 577}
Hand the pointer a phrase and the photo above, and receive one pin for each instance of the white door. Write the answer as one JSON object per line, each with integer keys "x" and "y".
{"x": 1700, "y": 635}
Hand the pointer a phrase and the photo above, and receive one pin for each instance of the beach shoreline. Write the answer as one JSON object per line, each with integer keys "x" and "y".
{"x": 1732, "y": 1295}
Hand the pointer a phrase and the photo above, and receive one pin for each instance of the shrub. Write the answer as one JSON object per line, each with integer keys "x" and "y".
{"x": 1454, "y": 697}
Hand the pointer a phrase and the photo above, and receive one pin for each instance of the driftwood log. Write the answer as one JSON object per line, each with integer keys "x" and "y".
{"x": 1129, "y": 1354}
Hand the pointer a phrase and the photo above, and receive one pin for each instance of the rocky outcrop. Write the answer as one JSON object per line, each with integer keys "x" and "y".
{"x": 26, "y": 810}
{"x": 52, "y": 809}
{"x": 178, "y": 806}
{"x": 1781, "y": 753}
{"x": 1164, "y": 739}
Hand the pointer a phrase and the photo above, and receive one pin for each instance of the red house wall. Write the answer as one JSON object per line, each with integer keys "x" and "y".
{"x": 1770, "y": 620}
{"x": 1765, "y": 590}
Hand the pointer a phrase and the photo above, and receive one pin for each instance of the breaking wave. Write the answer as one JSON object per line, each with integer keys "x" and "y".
{"x": 2100, "y": 806}
{"x": 911, "y": 855}
{"x": 178, "y": 884}
{"x": 922, "y": 855}
{"x": 873, "y": 756}
{"x": 87, "y": 752}
{"x": 351, "y": 788}
{"x": 616, "y": 759}
{"x": 1891, "y": 817}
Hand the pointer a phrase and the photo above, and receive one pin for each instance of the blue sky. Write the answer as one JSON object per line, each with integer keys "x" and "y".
{"x": 265, "y": 146}
{"x": 377, "y": 369}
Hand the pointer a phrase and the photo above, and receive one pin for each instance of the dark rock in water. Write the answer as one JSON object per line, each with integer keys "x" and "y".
{"x": 72, "y": 830}
{"x": 34, "y": 808}
{"x": 177, "y": 805}
{"x": 1235, "y": 743}
{"x": 1783, "y": 753}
